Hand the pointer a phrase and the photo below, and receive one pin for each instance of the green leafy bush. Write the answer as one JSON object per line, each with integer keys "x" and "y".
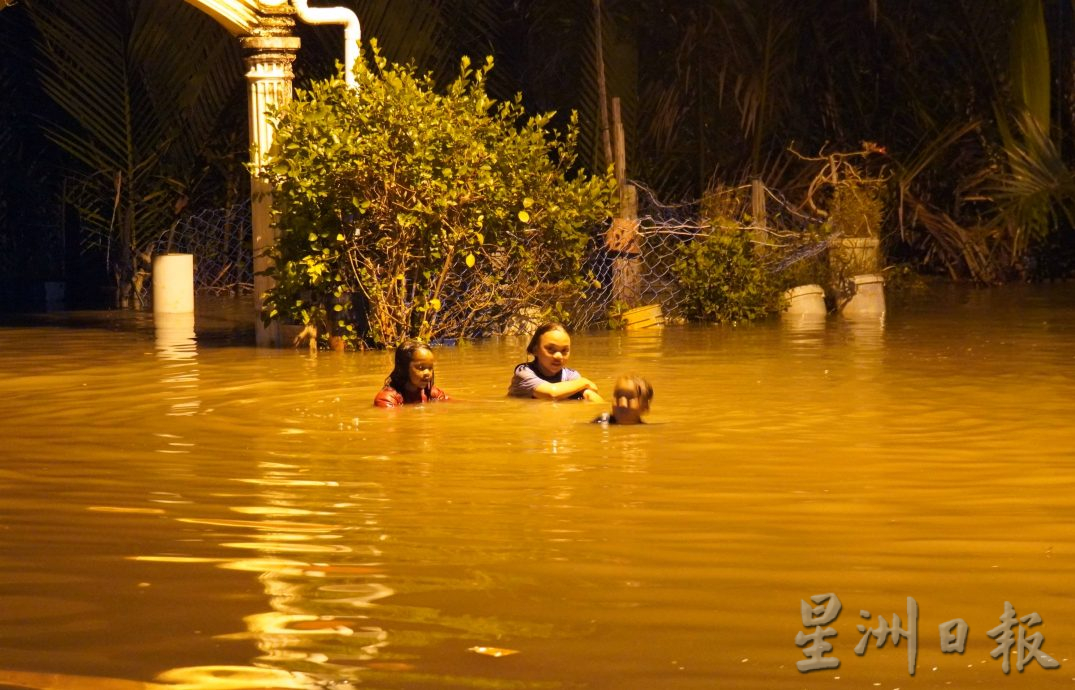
{"x": 407, "y": 212}
{"x": 722, "y": 281}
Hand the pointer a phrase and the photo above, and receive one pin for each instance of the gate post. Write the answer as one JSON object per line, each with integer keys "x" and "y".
{"x": 269, "y": 77}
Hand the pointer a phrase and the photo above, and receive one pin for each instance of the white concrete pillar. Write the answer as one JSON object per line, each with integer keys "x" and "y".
{"x": 269, "y": 82}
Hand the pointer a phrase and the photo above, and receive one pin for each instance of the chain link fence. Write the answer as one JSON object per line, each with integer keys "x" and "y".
{"x": 220, "y": 241}
{"x": 782, "y": 234}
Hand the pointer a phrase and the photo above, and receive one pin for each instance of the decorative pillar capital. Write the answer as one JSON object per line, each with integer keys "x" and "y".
{"x": 270, "y": 57}
{"x": 269, "y": 75}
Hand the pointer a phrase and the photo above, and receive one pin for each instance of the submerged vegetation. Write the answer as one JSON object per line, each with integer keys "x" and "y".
{"x": 405, "y": 211}
{"x": 722, "y": 280}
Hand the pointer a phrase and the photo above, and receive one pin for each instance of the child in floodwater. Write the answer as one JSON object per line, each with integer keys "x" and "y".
{"x": 411, "y": 380}
{"x": 547, "y": 377}
{"x": 631, "y": 398}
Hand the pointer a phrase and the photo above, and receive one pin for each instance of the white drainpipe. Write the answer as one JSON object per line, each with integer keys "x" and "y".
{"x": 352, "y": 32}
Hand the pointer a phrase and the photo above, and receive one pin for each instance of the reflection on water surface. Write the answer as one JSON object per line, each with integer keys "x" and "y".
{"x": 186, "y": 513}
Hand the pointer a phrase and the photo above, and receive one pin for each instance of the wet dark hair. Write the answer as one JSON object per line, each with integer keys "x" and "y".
{"x": 401, "y": 374}
{"x": 642, "y": 387}
{"x": 542, "y": 330}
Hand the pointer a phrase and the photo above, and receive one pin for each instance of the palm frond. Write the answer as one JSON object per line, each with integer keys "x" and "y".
{"x": 1034, "y": 188}
{"x": 84, "y": 70}
{"x": 191, "y": 69}
{"x": 141, "y": 85}
{"x": 1030, "y": 70}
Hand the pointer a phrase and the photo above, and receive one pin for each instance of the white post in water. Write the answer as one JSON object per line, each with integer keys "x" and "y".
{"x": 173, "y": 302}
{"x": 173, "y": 284}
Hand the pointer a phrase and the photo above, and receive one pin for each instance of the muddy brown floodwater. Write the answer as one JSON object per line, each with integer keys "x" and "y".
{"x": 207, "y": 515}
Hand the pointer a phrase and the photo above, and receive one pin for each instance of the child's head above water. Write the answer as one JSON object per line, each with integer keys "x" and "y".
{"x": 631, "y": 397}
{"x": 413, "y": 367}
{"x": 550, "y": 346}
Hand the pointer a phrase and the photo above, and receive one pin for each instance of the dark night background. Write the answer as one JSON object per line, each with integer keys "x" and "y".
{"x": 714, "y": 93}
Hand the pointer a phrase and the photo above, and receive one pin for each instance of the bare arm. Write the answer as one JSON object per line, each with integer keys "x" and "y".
{"x": 565, "y": 389}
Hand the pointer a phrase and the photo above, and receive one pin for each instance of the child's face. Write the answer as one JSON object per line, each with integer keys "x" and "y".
{"x": 552, "y": 352}
{"x": 627, "y": 405}
{"x": 420, "y": 370}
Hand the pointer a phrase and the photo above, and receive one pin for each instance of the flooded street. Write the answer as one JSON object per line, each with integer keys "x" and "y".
{"x": 211, "y": 515}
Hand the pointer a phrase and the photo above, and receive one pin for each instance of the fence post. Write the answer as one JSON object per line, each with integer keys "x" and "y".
{"x": 758, "y": 213}
{"x": 622, "y": 237}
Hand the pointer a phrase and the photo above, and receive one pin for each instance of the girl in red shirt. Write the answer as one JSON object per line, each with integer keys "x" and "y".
{"x": 411, "y": 380}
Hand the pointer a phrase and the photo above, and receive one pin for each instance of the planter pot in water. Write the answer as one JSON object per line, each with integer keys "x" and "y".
{"x": 856, "y": 255}
{"x": 805, "y": 299}
{"x": 869, "y": 296}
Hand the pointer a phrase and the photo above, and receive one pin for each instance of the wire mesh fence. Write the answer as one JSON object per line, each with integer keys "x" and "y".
{"x": 220, "y": 241}
{"x": 783, "y": 237}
